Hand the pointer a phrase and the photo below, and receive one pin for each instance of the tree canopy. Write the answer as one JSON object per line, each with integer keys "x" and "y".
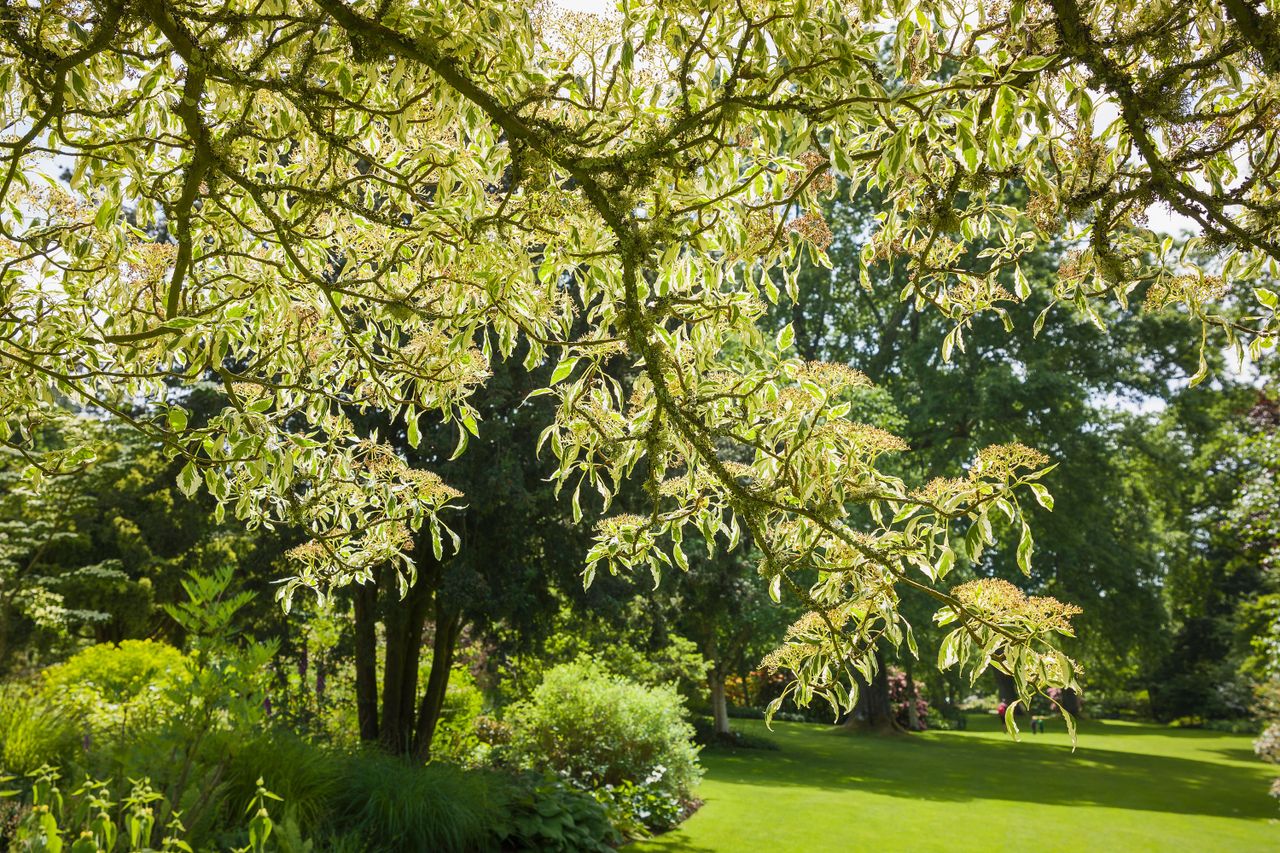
{"x": 328, "y": 204}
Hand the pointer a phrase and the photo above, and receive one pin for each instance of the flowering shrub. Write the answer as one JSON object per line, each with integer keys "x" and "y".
{"x": 602, "y": 733}
{"x": 900, "y": 698}
{"x": 543, "y": 813}
{"x": 1267, "y": 746}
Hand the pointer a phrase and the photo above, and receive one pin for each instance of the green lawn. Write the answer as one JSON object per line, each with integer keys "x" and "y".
{"x": 1127, "y": 787}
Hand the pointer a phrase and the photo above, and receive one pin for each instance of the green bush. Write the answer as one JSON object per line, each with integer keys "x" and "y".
{"x": 545, "y": 815}
{"x": 638, "y": 810}
{"x": 598, "y": 730}
{"x": 113, "y": 684}
{"x": 394, "y": 805}
{"x": 35, "y": 731}
{"x": 118, "y": 672}
{"x": 705, "y": 734}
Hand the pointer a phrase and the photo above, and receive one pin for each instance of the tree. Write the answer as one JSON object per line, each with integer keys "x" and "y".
{"x": 366, "y": 204}
{"x": 719, "y": 604}
{"x": 94, "y": 554}
{"x": 1070, "y": 388}
{"x": 1221, "y": 589}
{"x": 517, "y": 546}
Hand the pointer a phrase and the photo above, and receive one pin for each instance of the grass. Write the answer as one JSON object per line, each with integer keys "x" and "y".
{"x": 1128, "y": 787}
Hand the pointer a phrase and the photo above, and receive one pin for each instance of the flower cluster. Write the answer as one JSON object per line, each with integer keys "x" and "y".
{"x": 1187, "y": 289}
{"x": 1000, "y": 601}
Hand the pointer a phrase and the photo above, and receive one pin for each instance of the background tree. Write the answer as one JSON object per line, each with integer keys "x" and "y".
{"x": 94, "y": 554}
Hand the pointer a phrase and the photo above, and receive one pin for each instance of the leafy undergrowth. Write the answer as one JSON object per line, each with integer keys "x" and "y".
{"x": 1127, "y": 787}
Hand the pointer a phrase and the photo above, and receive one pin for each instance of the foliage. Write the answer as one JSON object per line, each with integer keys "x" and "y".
{"x": 35, "y": 731}
{"x": 305, "y": 776}
{"x": 902, "y": 692}
{"x": 596, "y": 729}
{"x": 1222, "y": 575}
{"x": 117, "y": 672}
{"x": 704, "y": 732}
{"x": 88, "y": 819}
{"x": 333, "y": 205}
{"x": 544, "y": 814}
{"x": 637, "y": 810}
{"x": 457, "y": 738}
{"x": 635, "y": 643}
{"x": 109, "y": 685}
{"x": 392, "y": 804}
{"x": 91, "y": 555}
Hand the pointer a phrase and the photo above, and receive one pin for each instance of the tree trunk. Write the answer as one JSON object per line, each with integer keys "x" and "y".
{"x": 719, "y": 705}
{"x": 1005, "y": 687}
{"x": 715, "y": 684}
{"x": 404, "y": 619}
{"x": 366, "y": 616}
{"x": 448, "y": 627}
{"x": 400, "y": 723}
{"x": 874, "y": 711}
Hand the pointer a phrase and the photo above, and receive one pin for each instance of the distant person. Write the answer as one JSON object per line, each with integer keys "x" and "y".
{"x": 1001, "y": 708}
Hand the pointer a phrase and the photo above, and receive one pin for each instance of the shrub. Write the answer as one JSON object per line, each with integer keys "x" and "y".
{"x": 596, "y": 729}
{"x": 705, "y": 734}
{"x": 901, "y": 698}
{"x": 545, "y": 814}
{"x": 35, "y": 731}
{"x": 116, "y": 685}
{"x": 394, "y": 805}
{"x": 117, "y": 673}
{"x": 638, "y": 810}
{"x": 945, "y": 717}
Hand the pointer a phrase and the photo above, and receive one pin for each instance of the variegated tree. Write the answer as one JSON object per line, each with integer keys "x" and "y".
{"x": 327, "y": 204}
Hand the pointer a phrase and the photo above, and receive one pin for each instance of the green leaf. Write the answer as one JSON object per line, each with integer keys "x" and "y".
{"x": 461, "y": 447}
{"x": 1011, "y": 725}
{"x": 1042, "y": 495}
{"x": 414, "y": 433}
{"x": 786, "y": 337}
{"x": 1024, "y": 550}
{"x": 1031, "y": 63}
{"x": 563, "y": 369}
{"x": 946, "y": 560}
{"x": 177, "y": 418}
{"x": 189, "y": 479}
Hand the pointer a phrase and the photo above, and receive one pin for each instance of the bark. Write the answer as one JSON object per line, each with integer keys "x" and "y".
{"x": 397, "y": 720}
{"x": 403, "y": 619}
{"x": 448, "y": 627}
{"x": 366, "y": 654}
{"x": 715, "y": 684}
{"x": 1070, "y": 702}
{"x": 874, "y": 711}
{"x": 745, "y": 687}
{"x": 719, "y": 705}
